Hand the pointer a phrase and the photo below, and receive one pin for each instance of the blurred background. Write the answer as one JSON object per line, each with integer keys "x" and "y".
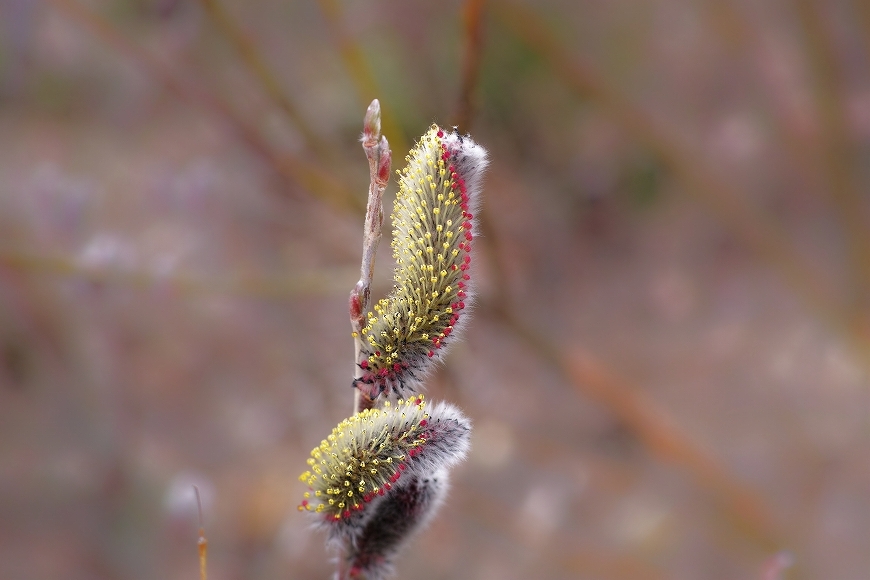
{"x": 668, "y": 364}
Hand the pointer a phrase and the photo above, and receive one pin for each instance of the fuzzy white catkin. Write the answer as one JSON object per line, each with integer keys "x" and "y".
{"x": 434, "y": 225}
{"x": 372, "y": 453}
{"x": 395, "y": 521}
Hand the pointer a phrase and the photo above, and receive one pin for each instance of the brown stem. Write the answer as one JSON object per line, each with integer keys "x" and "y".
{"x": 309, "y": 176}
{"x": 755, "y": 229}
{"x": 472, "y": 25}
{"x": 254, "y": 60}
{"x": 378, "y": 153}
{"x": 203, "y": 542}
{"x": 355, "y": 62}
{"x": 837, "y": 152}
{"x": 228, "y": 283}
{"x": 748, "y": 510}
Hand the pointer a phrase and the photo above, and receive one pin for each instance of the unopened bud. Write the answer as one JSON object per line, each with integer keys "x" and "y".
{"x": 385, "y": 159}
{"x": 372, "y": 124}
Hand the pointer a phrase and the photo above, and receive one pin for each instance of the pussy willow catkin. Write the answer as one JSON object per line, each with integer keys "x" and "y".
{"x": 433, "y": 230}
{"x": 368, "y": 453}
